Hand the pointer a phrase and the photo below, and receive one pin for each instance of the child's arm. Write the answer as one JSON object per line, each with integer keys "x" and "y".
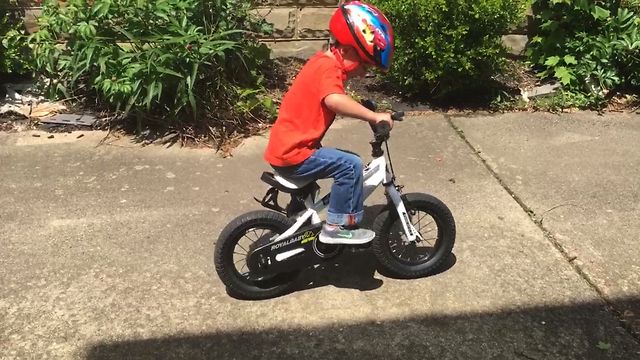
{"x": 344, "y": 105}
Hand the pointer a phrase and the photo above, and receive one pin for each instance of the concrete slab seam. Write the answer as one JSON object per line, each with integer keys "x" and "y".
{"x": 548, "y": 235}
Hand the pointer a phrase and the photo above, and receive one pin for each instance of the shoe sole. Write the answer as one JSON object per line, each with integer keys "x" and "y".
{"x": 334, "y": 241}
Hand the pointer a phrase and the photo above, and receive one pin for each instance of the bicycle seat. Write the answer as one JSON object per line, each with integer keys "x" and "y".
{"x": 282, "y": 183}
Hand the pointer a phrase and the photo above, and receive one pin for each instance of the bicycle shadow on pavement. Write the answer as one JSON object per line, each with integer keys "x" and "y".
{"x": 354, "y": 269}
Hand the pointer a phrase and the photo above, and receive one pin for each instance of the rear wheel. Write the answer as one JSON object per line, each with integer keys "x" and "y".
{"x": 242, "y": 235}
{"x": 407, "y": 259}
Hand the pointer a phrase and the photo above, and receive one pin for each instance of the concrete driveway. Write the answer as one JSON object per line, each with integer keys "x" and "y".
{"x": 107, "y": 250}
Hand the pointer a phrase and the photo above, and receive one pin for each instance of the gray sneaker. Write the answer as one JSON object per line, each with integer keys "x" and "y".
{"x": 332, "y": 234}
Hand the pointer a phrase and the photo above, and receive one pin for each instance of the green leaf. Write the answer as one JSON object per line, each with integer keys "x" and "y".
{"x": 169, "y": 72}
{"x": 536, "y": 39}
{"x": 194, "y": 74}
{"x": 552, "y": 61}
{"x": 159, "y": 91}
{"x": 563, "y": 74}
{"x": 101, "y": 8}
{"x": 570, "y": 60}
{"x": 132, "y": 101}
{"x": 600, "y": 13}
{"x": 582, "y": 5}
{"x": 192, "y": 101}
{"x": 603, "y": 346}
{"x": 125, "y": 33}
{"x": 62, "y": 89}
{"x": 150, "y": 93}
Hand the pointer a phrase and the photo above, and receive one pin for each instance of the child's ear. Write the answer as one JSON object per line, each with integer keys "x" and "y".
{"x": 344, "y": 50}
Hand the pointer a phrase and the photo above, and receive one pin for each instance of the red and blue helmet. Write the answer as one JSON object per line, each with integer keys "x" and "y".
{"x": 365, "y": 28}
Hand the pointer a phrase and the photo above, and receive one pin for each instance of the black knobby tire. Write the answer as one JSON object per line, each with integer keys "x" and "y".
{"x": 239, "y": 285}
{"x": 429, "y": 255}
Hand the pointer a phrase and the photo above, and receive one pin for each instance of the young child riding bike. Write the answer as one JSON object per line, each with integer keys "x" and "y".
{"x": 361, "y": 37}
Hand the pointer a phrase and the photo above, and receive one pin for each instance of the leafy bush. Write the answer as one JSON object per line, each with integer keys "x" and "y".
{"x": 190, "y": 64}
{"x": 449, "y": 45}
{"x": 14, "y": 52}
{"x": 631, "y": 4}
{"x": 590, "y": 46}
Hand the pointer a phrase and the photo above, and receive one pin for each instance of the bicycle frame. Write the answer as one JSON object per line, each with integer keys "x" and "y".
{"x": 376, "y": 173}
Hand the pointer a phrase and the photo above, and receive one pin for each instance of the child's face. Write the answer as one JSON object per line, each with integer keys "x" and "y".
{"x": 352, "y": 60}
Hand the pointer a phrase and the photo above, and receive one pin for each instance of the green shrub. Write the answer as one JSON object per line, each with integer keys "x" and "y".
{"x": 445, "y": 46}
{"x": 190, "y": 64}
{"x": 631, "y": 5}
{"x": 14, "y": 52}
{"x": 592, "y": 47}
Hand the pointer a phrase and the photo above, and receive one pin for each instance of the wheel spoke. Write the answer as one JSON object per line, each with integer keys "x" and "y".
{"x": 242, "y": 247}
{"x": 422, "y": 217}
{"x": 420, "y": 226}
{"x": 414, "y": 253}
{"x": 251, "y": 241}
{"x": 256, "y": 234}
{"x": 430, "y": 229}
{"x": 428, "y": 240}
{"x": 250, "y": 238}
{"x": 418, "y": 223}
{"x": 425, "y": 230}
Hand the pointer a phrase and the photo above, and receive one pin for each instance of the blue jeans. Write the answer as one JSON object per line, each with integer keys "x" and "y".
{"x": 346, "y": 201}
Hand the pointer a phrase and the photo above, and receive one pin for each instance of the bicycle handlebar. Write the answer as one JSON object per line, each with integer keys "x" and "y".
{"x": 381, "y": 129}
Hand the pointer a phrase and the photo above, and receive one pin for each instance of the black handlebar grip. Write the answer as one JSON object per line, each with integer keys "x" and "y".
{"x": 382, "y": 127}
{"x": 373, "y": 127}
{"x": 369, "y": 104}
{"x": 397, "y": 116}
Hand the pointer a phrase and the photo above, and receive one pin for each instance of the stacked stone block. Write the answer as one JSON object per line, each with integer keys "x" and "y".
{"x": 300, "y": 25}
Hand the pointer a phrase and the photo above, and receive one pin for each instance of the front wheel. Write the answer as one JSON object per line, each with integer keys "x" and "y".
{"x": 237, "y": 240}
{"x": 407, "y": 259}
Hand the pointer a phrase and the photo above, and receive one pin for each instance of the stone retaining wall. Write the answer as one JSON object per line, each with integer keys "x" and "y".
{"x": 301, "y": 26}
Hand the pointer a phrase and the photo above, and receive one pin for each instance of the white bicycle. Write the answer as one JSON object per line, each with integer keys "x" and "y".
{"x": 260, "y": 254}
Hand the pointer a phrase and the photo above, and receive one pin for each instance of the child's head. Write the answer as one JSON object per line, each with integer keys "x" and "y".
{"x": 363, "y": 36}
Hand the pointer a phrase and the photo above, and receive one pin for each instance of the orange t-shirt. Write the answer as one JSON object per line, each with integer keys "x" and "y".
{"x": 303, "y": 118}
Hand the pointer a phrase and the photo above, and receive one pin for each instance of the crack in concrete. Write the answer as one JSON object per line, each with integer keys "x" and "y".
{"x": 609, "y": 305}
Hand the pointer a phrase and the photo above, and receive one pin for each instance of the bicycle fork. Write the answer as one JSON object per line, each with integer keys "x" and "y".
{"x": 410, "y": 231}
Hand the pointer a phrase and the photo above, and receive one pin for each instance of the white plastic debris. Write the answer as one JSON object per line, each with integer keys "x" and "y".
{"x": 542, "y": 90}
{"x": 18, "y": 101}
